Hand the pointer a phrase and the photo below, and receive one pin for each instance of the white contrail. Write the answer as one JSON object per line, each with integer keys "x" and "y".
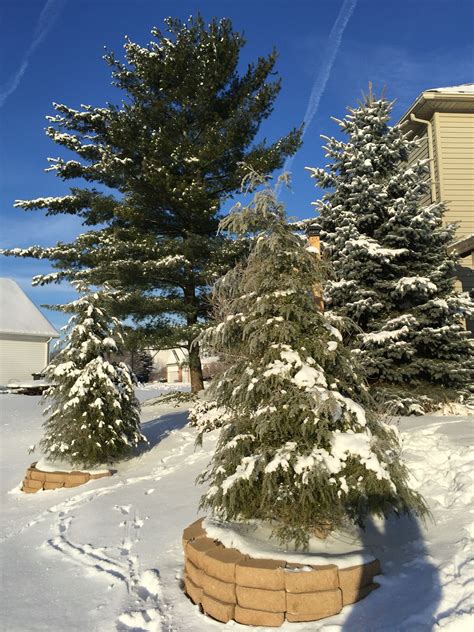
{"x": 334, "y": 42}
{"x": 46, "y": 20}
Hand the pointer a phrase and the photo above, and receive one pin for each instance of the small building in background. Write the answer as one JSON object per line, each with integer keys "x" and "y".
{"x": 25, "y": 335}
{"x": 171, "y": 365}
{"x": 443, "y": 120}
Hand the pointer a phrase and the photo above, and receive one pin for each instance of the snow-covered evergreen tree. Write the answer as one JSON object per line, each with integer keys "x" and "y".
{"x": 93, "y": 415}
{"x": 392, "y": 274}
{"x": 303, "y": 448}
{"x": 168, "y": 156}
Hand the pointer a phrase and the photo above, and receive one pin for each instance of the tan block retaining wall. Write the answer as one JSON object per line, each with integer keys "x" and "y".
{"x": 36, "y": 480}
{"x": 230, "y": 585}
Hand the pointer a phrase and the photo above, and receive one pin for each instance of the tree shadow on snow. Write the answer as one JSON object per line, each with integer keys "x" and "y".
{"x": 158, "y": 429}
{"x": 410, "y": 587}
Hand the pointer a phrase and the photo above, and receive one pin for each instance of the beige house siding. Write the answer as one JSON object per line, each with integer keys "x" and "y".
{"x": 455, "y": 143}
{"x": 21, "y": 356}
{"x": 436, "y": 155}
{"x": 422, "y": 152}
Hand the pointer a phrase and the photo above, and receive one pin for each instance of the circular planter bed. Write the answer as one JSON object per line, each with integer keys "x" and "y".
{"x": 228, "y": 584}
{"x": 37, "y": 480}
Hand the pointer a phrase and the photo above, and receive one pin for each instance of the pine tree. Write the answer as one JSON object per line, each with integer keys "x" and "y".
{"x": 173, "y": 153}
{"x": 392, "y": 274}
{"x": 303, "y": 449}
{"x": 93, "y": 416}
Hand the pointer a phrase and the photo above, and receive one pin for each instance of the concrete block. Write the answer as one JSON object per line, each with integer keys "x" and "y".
{"x": 357, "y": 595}
{"x": 194, "y": 531}
{"x": 260, "y": 599}
{"x": 267, "y": 574}
{"x": 86, "y": 475}
{"x": 194, "y": 573}
{"x": 355, "y": 577}
{"x": 32, "y": 484}
{"x": 320, "y": 578}
{"x": 248, "y": 616}
{"x": 215, "y": 588}
{"x": 219, "y": 610}
{"x": 55, "y": 477}
{"x": 28, "y": 490}
{"x": 193, "y": 591}
{"x": 220, "y": 563}
{"x": 315, "y": 602}
{"x": 309, "y": 616}
{"x": 36, "y": 475}
{"x": 50, "y": 485}
{"x": 196, "y": 550}
{"x": 101, "y": 475}
{"x": 73, "y": 480}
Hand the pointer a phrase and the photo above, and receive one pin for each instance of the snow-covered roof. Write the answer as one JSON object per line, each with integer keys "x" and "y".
{"x": 448, "y": 99}
{"x": 464, "y": 88}
{"x": 19, "y": 315}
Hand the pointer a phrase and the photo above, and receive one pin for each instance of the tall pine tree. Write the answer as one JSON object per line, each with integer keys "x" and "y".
{"x": 392, "y": 274}
{"x": 302, "y": 448}
{"x": 93, "y": 416}
{"x": 172, "y": 152}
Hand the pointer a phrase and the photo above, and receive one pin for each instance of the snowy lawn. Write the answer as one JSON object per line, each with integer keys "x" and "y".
{"x": 107, "y": 555}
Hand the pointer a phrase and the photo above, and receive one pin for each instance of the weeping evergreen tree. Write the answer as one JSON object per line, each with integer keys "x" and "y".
{"x": 155, "y": 171}
{"x": 392, "y": 274}
{"x": 303, "y": 447}
{"x": 93, "y": 416}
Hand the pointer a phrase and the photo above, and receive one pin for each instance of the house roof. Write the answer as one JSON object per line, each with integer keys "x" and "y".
{"x": 451, "y": 99}
{"x": 464, "y": 88}
{"x": 464, "y": 246}
{"x": 19, "y": 315}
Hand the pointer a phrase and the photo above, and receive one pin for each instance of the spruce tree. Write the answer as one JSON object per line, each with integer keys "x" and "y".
{"x": 162, "y": 162}
{"x": 392, "y": 274}
{"x": 303, "y": 449}
{"x": 93, "y": 416}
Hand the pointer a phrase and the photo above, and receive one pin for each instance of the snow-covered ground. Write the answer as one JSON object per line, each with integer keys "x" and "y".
{"x": 107, "y": 556}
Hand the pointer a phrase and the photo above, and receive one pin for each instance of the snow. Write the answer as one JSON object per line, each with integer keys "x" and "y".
{"x": 344, "y": 549}
{"x": 415, "y": 284}
{"x": 63, "y": 466}
{"x": 374, "y": 249}
{"x": 107, "y": 555}
{"x": 464, "y": 88}
{"x": 380, "y": 337}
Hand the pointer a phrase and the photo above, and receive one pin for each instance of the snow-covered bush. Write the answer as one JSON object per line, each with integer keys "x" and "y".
{"x": 206, "y": 415}
{"x": 93, "y": 416}
{"x": 392, "y": 274}
{"x": 303, "y": 447}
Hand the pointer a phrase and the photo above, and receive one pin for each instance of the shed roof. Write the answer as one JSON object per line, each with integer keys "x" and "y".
{"x": 19, "y": 315}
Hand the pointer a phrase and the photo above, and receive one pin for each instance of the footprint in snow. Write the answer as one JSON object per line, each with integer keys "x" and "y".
{"x": 124, "y": 509}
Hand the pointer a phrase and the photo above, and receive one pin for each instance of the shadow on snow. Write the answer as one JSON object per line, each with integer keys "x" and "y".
{"x": 158, "y": 429}
{"x": 410, "y": 586}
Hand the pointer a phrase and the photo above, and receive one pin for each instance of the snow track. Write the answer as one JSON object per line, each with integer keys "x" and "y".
{"x": 148, "y": 611}
{"x": 108, "y": 554}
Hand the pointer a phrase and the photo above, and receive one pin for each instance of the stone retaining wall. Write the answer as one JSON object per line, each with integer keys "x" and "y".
{"x": 230, "y": 585}
{"x": 37, "y": 480}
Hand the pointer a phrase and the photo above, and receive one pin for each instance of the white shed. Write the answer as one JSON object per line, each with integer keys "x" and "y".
{"x": 24, "y": 335}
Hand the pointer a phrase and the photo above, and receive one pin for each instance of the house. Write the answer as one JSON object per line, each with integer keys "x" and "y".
{"x": 25, "y": 335}
{"x": 443, "y": 120}
{"x": 172, "y": 364}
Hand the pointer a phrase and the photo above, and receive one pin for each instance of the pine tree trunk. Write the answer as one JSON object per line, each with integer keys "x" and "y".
{"x": 195, "y": 369}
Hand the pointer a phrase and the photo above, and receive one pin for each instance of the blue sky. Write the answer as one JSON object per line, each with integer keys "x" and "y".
{"x": 51, "y": 51}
